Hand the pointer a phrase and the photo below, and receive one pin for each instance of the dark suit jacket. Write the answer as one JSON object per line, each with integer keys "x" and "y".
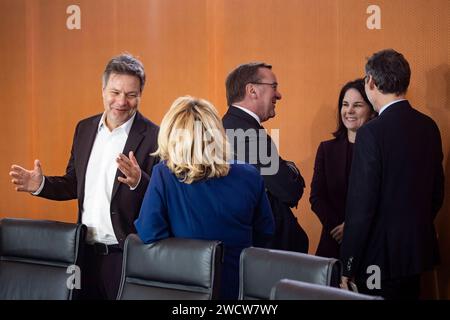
{"x": 395, "y": 190}
{"x": 329, "y": 190}
{"x": 125, "y": 203}
{"x": 284, "y": 187}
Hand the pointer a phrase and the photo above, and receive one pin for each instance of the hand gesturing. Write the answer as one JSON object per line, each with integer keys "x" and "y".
{"x": 130, "y": 168}
{"x": 26, "y": 180}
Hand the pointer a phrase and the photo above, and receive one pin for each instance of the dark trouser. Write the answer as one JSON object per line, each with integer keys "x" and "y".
{"x": 101, "y": 272}
{"x": 406, "y": 288}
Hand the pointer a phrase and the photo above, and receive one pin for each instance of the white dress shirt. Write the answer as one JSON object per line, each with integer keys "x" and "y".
{"x": 100, "y": 175}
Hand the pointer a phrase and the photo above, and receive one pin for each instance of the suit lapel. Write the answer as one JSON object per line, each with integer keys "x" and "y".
{"x": 133, "y": 141}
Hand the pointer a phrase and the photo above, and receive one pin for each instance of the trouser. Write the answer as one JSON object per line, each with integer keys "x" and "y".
{"x": 405, "y": 288}
{"x": 101, "y": 272}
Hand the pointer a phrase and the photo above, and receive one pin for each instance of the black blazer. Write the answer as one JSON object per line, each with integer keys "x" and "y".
{"x": 395, "y": 190}
{"x": 329, "y": 190}
{"x": 125, "y": 203}
{"x": 284, "y": 187}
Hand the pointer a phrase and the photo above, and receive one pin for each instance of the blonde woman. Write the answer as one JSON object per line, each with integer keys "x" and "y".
{"x": 195, "y": 192}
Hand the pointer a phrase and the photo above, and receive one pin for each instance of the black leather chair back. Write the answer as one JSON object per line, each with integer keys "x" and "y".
{"x": 170, "y": 269}
{"x": 287, "y": 289}
{"x": 35, "y": 256}
{"x": 260, "y": 269}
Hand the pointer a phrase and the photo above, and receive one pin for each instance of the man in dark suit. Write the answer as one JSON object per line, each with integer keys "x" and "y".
{"x": 252, "y": 93}
{"x": 396, "y": 188}
{"x": 108, "y": 172}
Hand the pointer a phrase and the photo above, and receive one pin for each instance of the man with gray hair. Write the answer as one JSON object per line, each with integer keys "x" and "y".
{"x": 108, "y": 172}
{"x": 252, "y": 93}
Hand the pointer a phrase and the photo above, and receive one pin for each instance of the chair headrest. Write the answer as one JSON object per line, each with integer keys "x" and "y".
{"x": 261, "y": 268}
{"x": 287, "y": 289}
{"x": 181, "y": 261}
{"x": 40, "y": 239}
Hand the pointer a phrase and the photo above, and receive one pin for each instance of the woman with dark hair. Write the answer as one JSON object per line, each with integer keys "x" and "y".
{"x": 332, "y": 167}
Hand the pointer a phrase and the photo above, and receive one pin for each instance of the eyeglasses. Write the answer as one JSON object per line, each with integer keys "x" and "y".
{"x": 274, "y": 85}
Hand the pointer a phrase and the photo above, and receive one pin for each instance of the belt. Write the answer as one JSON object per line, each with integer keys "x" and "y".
{"x": 104, "y": 249}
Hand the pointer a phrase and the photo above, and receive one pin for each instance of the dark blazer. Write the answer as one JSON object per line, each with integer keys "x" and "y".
{"x": 125, "y": 203}
{"x": 284, "y": 186}
{"x": 396, "y": 188}
{"x": 329, "y": 190}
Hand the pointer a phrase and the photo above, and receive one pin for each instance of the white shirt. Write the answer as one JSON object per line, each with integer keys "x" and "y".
{"x": 254, "y": 115}
{"x": 100, "y": 176}
{"x": 389, "y": 104}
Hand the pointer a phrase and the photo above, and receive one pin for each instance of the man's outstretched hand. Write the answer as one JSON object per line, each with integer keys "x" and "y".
{"x": 26, "y": 180}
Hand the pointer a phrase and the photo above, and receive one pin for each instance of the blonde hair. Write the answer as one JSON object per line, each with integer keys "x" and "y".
{"x": 192, "y": 141}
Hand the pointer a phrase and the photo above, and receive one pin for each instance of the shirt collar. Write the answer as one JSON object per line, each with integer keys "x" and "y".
{"x": 389, "y": 104}
{"x": 254, "y": 115}
{"x": 125, "y": 126}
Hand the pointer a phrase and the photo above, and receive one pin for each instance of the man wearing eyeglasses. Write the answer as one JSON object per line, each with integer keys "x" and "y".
{"x": 252, "y": 94}
{"x": 108, "y": 172}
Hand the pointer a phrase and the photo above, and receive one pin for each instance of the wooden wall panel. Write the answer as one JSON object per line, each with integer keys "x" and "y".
{"x": 52, "y": 76}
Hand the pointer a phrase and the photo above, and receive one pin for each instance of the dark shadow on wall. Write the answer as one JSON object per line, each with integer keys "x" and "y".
{"x": 437, "y": 284}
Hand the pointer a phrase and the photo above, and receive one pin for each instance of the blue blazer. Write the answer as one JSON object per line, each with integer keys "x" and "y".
{"x": 233, "y": 209}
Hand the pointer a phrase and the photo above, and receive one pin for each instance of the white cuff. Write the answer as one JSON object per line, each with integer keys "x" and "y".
{"x": 140, "y": 176}
{"x": 40, "y": 187}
